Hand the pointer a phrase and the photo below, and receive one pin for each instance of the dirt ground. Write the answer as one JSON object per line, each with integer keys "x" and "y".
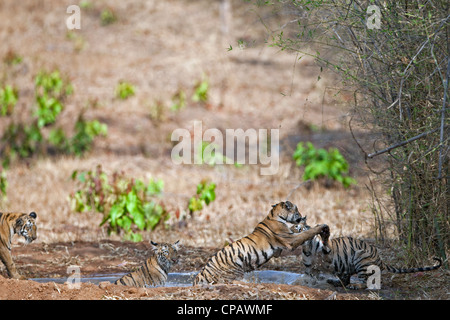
{"x": 162, "y": 47}
{"x": 116, "y": 257}
{"x": 109, "y": 257}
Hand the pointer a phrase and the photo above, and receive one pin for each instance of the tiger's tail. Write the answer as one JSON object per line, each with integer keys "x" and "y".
{"x": 412, "y": 270}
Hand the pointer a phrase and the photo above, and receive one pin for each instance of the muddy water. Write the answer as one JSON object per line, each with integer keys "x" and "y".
{"x": 181, "y": 279}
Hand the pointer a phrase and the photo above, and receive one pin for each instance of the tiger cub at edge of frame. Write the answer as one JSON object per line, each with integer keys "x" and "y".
{"x": 344, "y": 257}
{"x": 155, "y": 270}
{"x": 12, "y": 223}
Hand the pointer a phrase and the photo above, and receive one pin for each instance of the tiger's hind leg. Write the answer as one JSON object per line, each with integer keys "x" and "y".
{"x": 364, "y": 262}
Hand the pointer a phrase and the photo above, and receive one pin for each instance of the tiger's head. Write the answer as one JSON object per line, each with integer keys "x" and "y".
{"x": 25, "y": 226}
{"x": 287, "y": 212}
{"x": 166, "y": 253}
{"x": 301, "y": 226}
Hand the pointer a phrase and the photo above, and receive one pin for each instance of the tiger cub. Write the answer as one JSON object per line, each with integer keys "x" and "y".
{"x": 15, "y": 223}
{"x": 270, "y": 237}
{"x": 155, "y": 270}
{"x": 344, "y": 257}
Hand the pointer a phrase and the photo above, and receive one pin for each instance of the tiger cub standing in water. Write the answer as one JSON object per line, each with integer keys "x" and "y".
{"x": 270, "y": 237}
{"x": 344, "y": 257}
{"x": 15, "y": 223}
{"x": 155, "y": 270}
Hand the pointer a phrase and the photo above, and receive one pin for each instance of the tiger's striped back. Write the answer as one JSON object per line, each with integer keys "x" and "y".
{"x": 345, "y": 257}
{"x": 154, "y": 271}
{"x": 269, "y": 238}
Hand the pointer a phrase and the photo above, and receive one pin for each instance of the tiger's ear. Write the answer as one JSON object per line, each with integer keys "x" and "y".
{"x": 33, "y": 215}
{"x": 176, "y": 245}
{"x": 274, "y": 205}
{"x": 154, "y": 244}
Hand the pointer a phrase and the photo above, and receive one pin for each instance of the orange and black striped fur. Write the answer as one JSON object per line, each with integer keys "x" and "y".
{"x": 15, "y": 223}
{"x": 270, "y": 237}
{"x": 345, "y": 257}
{"x": 155, "y": 270}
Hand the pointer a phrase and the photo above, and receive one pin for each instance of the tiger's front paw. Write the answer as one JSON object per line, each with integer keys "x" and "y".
{"x": 325, "y": 232}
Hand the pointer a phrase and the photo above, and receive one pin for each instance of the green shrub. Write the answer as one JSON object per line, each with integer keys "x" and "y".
{"x": 201, "y": 91}
{"x": 128, "y": 205}
{"x": 204, "y": 196}
{"x": 322, "y": 163}
{"x": 107, "y": 17}
{"x": 85, "y": 132}
{"x": 23, "y": 140}
{"x": 3, "y": 184}
{"x": 178, "y": 101}
{"x": 8, "y": 100}
{"x": 124, "y": 90}
{"x": 50, "y": 91}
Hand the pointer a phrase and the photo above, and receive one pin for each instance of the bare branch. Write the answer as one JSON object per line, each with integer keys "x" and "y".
{"x": 424, "y": 134}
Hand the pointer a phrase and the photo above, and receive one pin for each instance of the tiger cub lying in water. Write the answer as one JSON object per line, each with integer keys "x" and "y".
{"x": 345, "y": 257}
{"x": 155, "y": 270}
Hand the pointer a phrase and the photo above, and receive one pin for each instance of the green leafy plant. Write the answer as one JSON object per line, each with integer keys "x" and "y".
{"x": 124, "y": 90}
{"x": 22, "y": 140}
{"x": 204, "y": 196}
{"x": 86, "y": 5}
{"x": 3, "y": 184}
{"x": 85, "y": 133}
{"x": 107, "y": 16}
{"x": 81, "y": 141}
{"x": 50, "y": 91}
{"x": 128, "y": 205}
{"x": 320, "y": 163}
{"x": 8, "y": 100}
{"x": 178, "y": 101}
{"x": 201, "y": 91}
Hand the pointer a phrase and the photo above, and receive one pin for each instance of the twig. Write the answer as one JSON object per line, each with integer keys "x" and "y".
{"x": 298, "y": 186}
{"x": 393, "y": 104}
{"x": 402, "y": 143}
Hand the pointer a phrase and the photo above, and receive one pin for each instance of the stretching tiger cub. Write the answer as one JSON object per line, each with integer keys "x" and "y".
{"x": 155, "y": 269}
{"x": 21, "y": 224}
{"x": 345, "y": 257}
{"x": 269, "y": 238}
